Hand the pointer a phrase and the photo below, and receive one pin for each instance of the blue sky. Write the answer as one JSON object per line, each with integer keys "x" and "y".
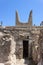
{"x": 8, "y": 9}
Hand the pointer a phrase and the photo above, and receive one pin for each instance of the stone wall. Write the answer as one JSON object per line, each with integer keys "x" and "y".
{"x": 7, "y": 47}
{"x": 11, "y": 43}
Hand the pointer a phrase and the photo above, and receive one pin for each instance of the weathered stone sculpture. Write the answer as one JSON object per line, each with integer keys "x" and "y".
{"x": 21, "y": 44}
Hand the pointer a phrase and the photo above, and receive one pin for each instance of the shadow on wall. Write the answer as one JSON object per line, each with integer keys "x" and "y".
{"x": 30, "y": 62}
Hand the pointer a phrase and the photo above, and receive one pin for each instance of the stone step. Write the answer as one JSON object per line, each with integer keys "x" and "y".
{"x": 22, "y": 62}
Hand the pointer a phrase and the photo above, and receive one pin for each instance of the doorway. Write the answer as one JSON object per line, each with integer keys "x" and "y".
{"x": 25, "y": 49}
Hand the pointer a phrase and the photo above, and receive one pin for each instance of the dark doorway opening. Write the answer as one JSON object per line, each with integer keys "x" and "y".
{"x": 25, "y": 49}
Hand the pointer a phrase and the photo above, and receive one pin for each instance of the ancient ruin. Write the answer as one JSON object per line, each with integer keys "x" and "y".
{"x": 21, "y": 44}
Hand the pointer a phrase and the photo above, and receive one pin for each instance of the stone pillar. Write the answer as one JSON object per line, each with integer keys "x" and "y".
{"x": 19, "y": 49}
{"x": 30, "y": 47}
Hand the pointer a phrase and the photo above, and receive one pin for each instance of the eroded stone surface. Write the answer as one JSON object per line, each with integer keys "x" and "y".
{"x": 11, "y": 43}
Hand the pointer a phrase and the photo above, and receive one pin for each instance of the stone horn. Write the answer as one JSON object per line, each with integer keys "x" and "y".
{"x": 30, "y": 18}
{"x": 17, "y": 18}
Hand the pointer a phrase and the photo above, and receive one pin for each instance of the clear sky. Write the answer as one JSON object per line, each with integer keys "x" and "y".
{"x": 8, "y": 9}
